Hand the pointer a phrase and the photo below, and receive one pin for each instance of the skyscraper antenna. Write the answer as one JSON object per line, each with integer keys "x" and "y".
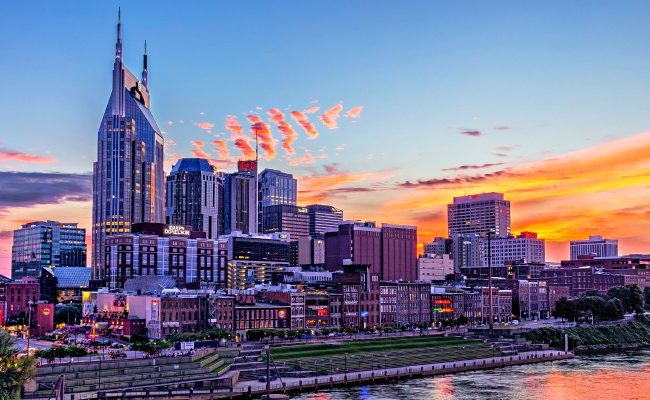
{"x": 145, "y": 72}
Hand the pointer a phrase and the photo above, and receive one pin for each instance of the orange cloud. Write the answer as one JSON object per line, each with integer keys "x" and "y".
{"x": 198, "y": 149}
{"x": 221, "y": 148}
{"x": 263, "y": 134}
{"x": 10, "y": 155}
{"x": 312, "y": 110}
{"x": 206, "y": 126}
{"x": 288, "y": 133}
{"x": 247, "y": 151}
{"x": 306, "y": 159}
{"x": 303, "y": 121}
{"x": 598, "y": 190}
{"x": 354, "y": 112}
{"x": 233, "y": 125}
{"x": 330, "y": 117}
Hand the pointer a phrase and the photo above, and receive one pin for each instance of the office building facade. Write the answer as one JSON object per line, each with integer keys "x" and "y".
{"x": 285, "y": 218}
{"x": 526, "y": 246}
{"x": 240, "y": 202}
{"x": 398, "y": 252}
{"x": 323, "y": 218}
{"x": 47, "y": 244}
{"x": 277, "y": 187}
{"x": 478, "y": 214}
{"x": 195, "y": 196}
{"x": 595, "y": 246}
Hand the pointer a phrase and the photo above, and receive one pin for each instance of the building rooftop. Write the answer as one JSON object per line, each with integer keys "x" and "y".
{"x": 192, "y": 165}
{"x": 71, "y": 277}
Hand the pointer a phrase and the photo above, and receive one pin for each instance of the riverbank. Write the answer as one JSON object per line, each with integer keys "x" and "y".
{"x": 625, "y": 336}
{"x": 248, "y": 389}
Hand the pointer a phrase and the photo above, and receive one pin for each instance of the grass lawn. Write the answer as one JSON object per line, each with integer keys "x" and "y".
{"x": 365, "y": 346}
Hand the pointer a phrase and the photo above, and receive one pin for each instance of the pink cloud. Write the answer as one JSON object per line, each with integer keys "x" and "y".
{"x": 311, "y": 110}
{"x": 288, "y": 133}
{"x": 263, "y": 134}
{"x": 10, "y": 155}
{"x": 330, "y": 117}
{"x": 233, "y": 125}
{"x": 221, "y": 148}
{"x": 247, "y": 151}
{"x": 206, "y": 126}
{"x": 354, "y": 112}
{"x": 198, "y": 151}
{"x": 303, "y": 121}
{"x": 306, "y": 159}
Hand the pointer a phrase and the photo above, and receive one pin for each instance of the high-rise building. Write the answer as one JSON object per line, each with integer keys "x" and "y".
{"x": 128, "y": 177}
{"x": 240, "y": 199}
{"x": 47, "y": 244}
{"x": 277, "y": 187}
{"x": 193, "y": 196}
{"x": 323, "y": 218}
{"x": 479, "y": 214}
{"x": 433, "y": 267}
{"x": 595, "y": 246}
{"x": 398, "y": 252}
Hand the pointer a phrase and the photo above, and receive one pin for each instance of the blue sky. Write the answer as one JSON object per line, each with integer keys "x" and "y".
{"x": 553, "y": 76}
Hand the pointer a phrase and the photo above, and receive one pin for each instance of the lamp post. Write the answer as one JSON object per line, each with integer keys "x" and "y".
{"x": 490, "y": 304}
{"x": 29, "y": 323}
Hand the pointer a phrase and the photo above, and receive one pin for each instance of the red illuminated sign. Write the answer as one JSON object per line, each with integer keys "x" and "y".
{"x": 323, "y": 312}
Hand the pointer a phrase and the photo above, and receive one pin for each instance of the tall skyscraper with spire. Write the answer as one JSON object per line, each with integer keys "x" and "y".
{"x": 128, "y": 180}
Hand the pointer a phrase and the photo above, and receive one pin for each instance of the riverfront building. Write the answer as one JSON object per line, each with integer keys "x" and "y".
{"x": 128, "y": 177}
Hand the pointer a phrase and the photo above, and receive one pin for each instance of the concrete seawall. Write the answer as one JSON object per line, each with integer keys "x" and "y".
{"x": 252, "y": 389}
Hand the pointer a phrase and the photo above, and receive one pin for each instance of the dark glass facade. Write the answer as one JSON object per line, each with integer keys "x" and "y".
{"x": 193, "y": 196}
{"x": 323, "y": 218}
{"x": 286, "y": 218}
{"x": 128, "y": 177}
{"x": 47, "y": 244}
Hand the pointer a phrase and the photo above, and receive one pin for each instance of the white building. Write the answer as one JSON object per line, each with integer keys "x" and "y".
{"x": 596, "y": 246}
{"x": 526, "y": 247}
{"x": 432, "y": 267}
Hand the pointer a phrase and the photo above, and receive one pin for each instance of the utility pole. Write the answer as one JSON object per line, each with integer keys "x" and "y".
{"x": 491, "y": 310}
{"x": 268, "y": 373}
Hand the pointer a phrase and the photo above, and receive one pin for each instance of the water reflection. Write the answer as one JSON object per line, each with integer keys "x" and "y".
{"x": 615, "y": 376}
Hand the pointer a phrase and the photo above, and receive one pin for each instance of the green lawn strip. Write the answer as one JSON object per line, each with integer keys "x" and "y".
{"x": 352, "y": 348}
{"x": 211, "y": 363}
{"x": 340, "y": 350}
{"x": 220, "y": 369}
{"x": 361, "y": 343}
{"x": 205, "y": 357}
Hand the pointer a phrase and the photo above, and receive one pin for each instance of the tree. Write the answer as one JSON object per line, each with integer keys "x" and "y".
{"x": 646, "y": 296}
{"x": 14, "y": 370}
{"x": 613, "y": 310}
{"x": 67, "y": 314}
{"x": 565, "y": 309}
{"x": 630, "y": 295}
{"x": 152, "y": 348}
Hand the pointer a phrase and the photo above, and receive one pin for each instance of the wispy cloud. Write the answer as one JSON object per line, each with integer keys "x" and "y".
{"x": 470, "y": 132}
{"x": 233, "y": 125}
{"x": 198, "y": 150}
{"x": 354, "y": 112}
{"x": 289, "y": 135}
{"x": 246, "y": 149}
{"x": 12, "y": 155}
{"x": 306, "y": 159}
{"x": 331, "y": 116}
{"x": 262, "y": 131}
{"x": 502, "y": 128}
{"x": 303, "y": 121}
{"x": 477, "y": 166}
{"x": 205, "y": 125}
{"x": 25, "y": 189}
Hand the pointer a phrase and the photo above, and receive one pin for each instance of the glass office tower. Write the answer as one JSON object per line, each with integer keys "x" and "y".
{"x": 128, "y": 184}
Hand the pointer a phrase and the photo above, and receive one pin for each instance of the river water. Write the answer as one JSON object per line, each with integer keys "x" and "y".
{"x": 620, "y": 376}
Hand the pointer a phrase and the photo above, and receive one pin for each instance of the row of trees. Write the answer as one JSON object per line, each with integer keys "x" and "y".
{"x": 210, "y": 334}
{"x": 152, "y": 347}
{"x": 618, "y": 301}
{"x": 61, "y": 352}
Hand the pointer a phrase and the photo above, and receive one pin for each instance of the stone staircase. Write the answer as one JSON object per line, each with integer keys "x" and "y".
{"x": 203, "y": 370}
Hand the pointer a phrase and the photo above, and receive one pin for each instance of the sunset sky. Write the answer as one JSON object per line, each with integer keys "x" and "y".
{"x": 384, "y": 109}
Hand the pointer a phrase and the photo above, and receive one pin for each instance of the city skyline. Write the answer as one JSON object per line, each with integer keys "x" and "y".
{"x": 567, "y": 176}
